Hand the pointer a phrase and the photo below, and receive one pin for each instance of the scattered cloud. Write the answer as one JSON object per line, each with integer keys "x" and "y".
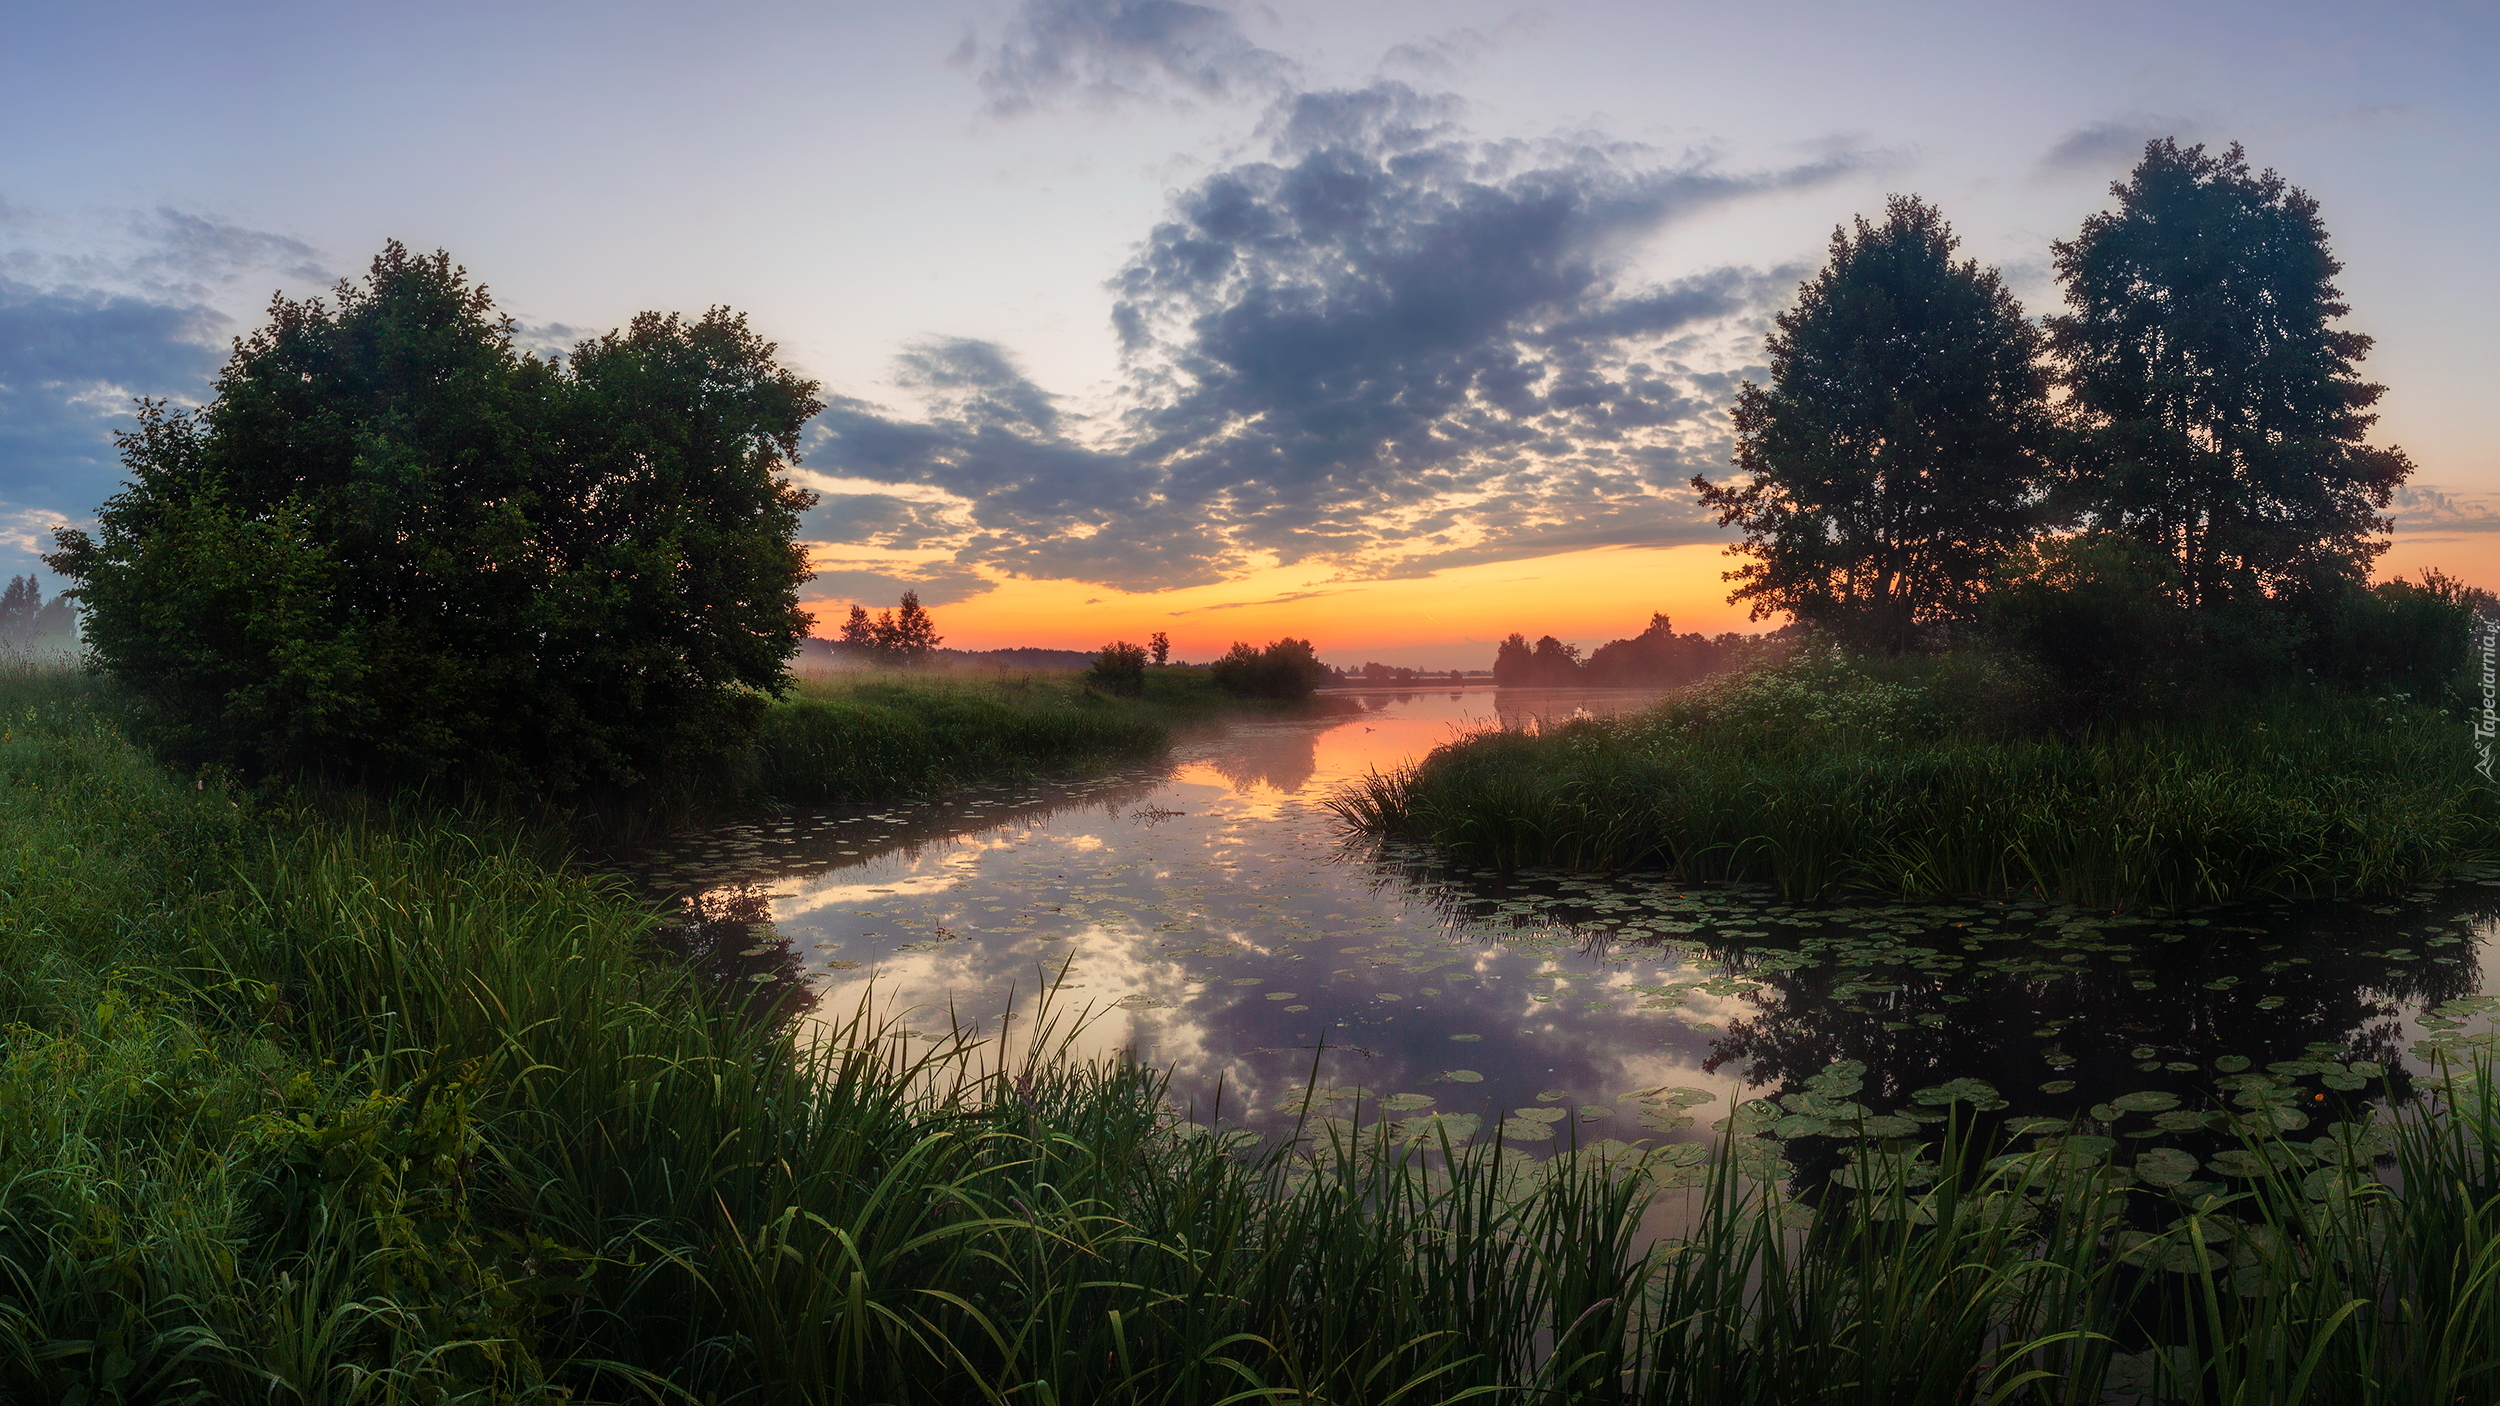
{"x": 2423, "y": 510}
{"x": 1443, "y": 55}
{"x": 2110, "y": 145}
{"x": 97, "y": 310}
{"x": 27, "y": 531}
{"x": 878, "y": 585}
{"x": 1104, "y": 53}
{"x": 1382, "y": 344}
{"x": 1285, "y": 599}
{"x": 71, "y": 361}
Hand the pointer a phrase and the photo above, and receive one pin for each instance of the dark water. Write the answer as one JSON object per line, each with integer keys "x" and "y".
{"x": 1208, "y": 918}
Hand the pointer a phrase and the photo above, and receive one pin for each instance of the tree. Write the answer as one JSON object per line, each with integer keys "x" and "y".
{"x": 1287, "y": 668}
{"x": 395, "y": 548}
{"x": 905, "y": 635}
{"x": 20, "y": 604}
{"x": 1513, "y": 661}
{"x": 1898, "y": 450}
{"x": 1161, "y": 645}
{"x": 1120, "y": 668}
{"x": 2220, "y": 417}
{"x": 859, "y": 632}
{"x": 909, "y": 636}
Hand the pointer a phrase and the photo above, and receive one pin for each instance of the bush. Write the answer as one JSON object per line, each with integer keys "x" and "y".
{"x": 395, "y": 549}
{"x": 1287, "y": 668}
{"x": 2100, "y": 613}
{"x": 2397, "y": 638}
{"x": 1120, "y": 669}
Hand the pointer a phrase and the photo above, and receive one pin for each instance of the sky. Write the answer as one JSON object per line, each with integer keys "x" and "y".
{"x": 1396, "y": 326}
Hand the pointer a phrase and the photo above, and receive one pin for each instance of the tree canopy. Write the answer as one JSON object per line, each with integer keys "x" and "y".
{"x": 2220, "y": 418}
{"x": 1896, "y": 452}
{"x": 903, "y": 635}
{"x": 396, "y": 547}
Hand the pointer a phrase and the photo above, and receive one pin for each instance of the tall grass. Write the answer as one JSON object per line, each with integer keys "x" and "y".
{"x": 1814, "y": 775}
{"x": 302, "y": 1110}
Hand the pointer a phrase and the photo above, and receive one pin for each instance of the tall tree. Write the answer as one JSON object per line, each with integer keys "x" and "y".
{"x": 2221, "y": 418}
{"x": 910, "y": 636}
{"x": 396, "y": 547}
{"x": 1897, "y": 452}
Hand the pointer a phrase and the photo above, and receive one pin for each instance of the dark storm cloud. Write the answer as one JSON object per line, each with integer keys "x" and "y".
{"x": 1386, "y": 344}
{"x": 2111, "y": 145}
{"x": 1105, "y": 52}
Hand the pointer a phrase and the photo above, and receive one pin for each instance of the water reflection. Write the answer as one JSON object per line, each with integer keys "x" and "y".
{"x": 1213, "y": 922}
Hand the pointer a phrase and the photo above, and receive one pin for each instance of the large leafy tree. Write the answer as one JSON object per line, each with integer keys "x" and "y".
{"x": 396, "y": 548}
{"x": 1896, "y": 453}
{"x": 2220, "y": 418}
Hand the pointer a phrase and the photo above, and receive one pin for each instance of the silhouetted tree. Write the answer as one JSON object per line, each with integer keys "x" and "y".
{"x": 20, "y": 604}
{"x": 1161, "y": 646}
{"x": 859, "y": 631}
{"x": 902, "y": 636}
{"x": 910, "y": 636}
{"x": 396, "y": 547}
{"x": 1898, "y": 449}
{"x": 2221, "y": 419}
{"x": 1512, "y": 661}
{"x": 1287, "y": 668}
{"x": 1120, "y": 668}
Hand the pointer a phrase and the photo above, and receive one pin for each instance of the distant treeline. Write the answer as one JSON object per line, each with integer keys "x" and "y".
{"x": 28, "y": 621}
{"x": 834, "y": 652}
{"x": 1656, "y": 657}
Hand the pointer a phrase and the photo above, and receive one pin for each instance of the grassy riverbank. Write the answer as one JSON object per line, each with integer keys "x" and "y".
{"x": 876, "y": 735}
{"x": 1929, "y": 778}
{"x": 299, "y": 1111}
{"x": 879, "y": 735}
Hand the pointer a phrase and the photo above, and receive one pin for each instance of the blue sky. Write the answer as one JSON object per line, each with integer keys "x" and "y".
{"x": 1142, "y": 296}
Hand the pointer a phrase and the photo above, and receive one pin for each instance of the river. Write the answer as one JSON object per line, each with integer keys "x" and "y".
{"x": 1207, "y": 917}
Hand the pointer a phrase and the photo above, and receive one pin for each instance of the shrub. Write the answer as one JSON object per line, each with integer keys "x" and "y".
{"x": 396, "y": 549}
{"x": 1120, "y": 669}
{"x": 1287, "y": 668}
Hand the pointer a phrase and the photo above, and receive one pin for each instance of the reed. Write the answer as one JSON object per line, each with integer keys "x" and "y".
{"x": 298, "y": 1108}
{"x": 1818, "y": 777}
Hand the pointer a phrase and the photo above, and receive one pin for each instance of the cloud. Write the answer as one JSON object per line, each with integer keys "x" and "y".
{"x": 70, "y": 363}
{"x": 879, "y": 585}
{"x": 2112, "y": 144}
{"x": 1442, "y": 55}
{"x": 1285, "y": 599}
{"x": 1104, "y": 53}
{"x": 2424, "y": 510}
{"x": 1384, "y": 343}
{"x": 99, "y": 309}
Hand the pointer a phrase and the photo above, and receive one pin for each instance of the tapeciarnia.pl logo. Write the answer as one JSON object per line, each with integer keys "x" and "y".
{"x": 2487, "y": 723}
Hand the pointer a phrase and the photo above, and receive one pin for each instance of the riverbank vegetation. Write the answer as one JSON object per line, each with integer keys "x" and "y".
{"x": 309, "y": 1110}
{"x": 1930, "y": 776}
{"x": 859, "y": 736}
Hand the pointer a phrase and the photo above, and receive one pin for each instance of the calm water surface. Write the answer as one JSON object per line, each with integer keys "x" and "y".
{"x": 1208, "y": 917}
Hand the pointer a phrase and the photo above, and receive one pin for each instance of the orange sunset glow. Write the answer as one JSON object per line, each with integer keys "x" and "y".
{"x": 1450, "y": 619}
